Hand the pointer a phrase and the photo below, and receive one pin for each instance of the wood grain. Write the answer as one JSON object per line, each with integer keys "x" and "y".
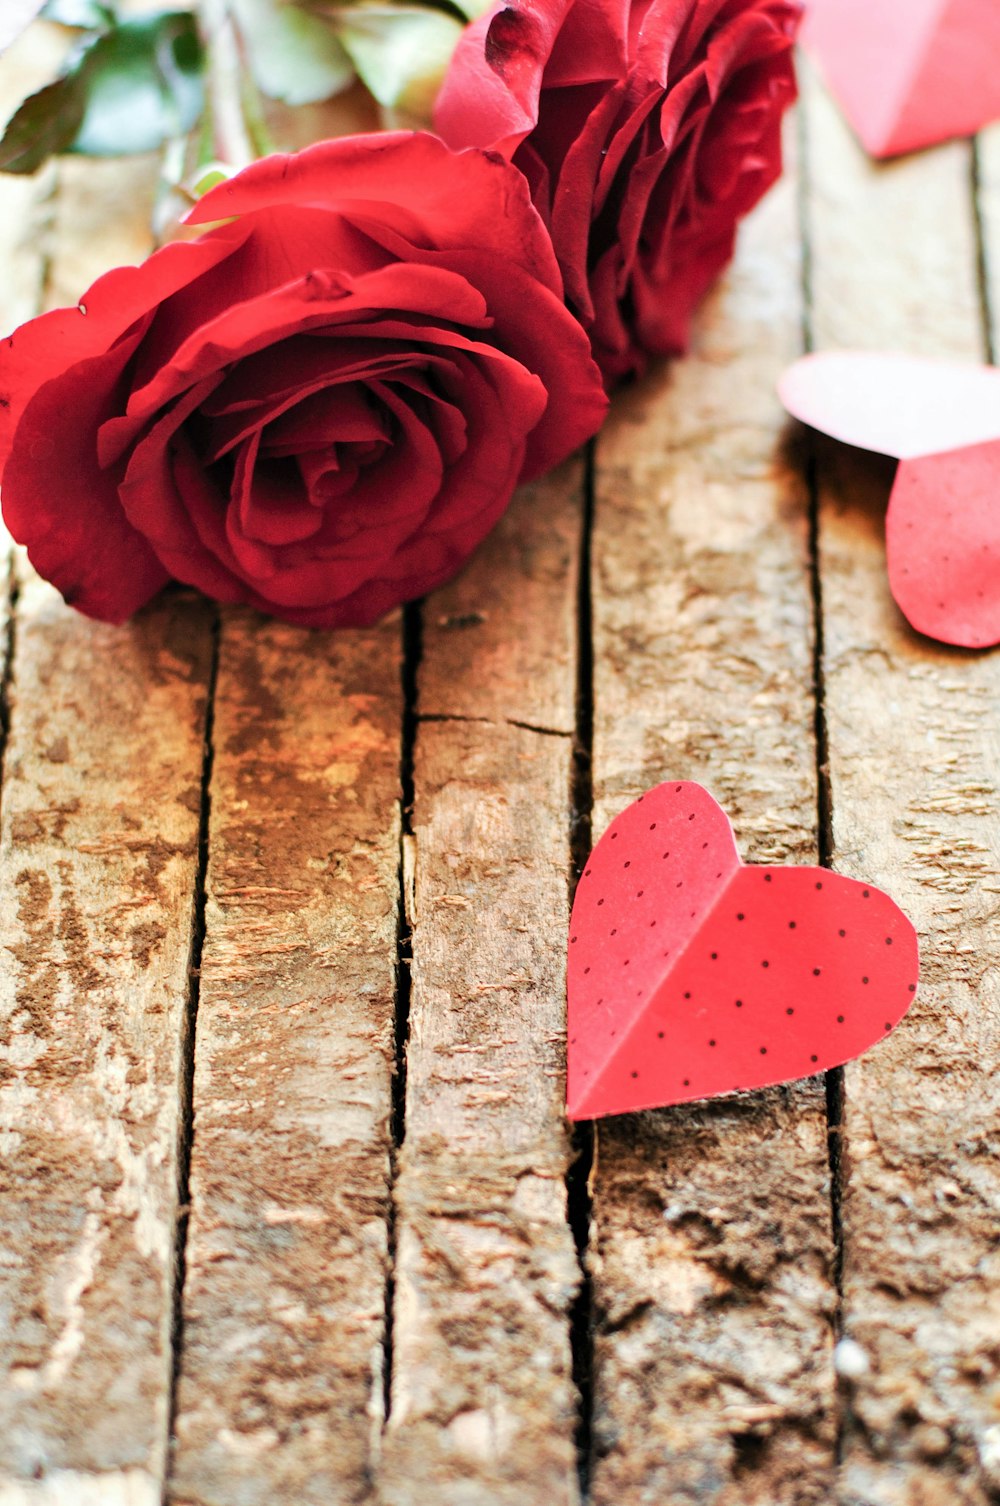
{"x": 711, "y": 1247}
{"x": 98, "y": 852}
{"x": 914, "y": 770}
{"x": 483, "y": 1405}
{"x": 281, "y": 1361}
{"x": 711, "y": 1253}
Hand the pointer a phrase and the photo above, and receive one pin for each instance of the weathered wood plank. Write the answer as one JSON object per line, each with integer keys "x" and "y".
{"x": 711, "y": 1244}
{"x": 98, "y": 853}
{"x": 914, "y": 769}
{"x": 280, "y": 1389}
{"x": 102, "y": 217}
{"x": 98, "y": 857}
{"x": 483, "y": 1406}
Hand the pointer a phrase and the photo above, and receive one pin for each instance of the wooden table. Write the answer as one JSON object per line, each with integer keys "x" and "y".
{"x": 291, "y": 1213}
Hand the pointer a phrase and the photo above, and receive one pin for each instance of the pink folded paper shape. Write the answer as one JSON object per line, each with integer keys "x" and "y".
{"x": 942, "y": 422}
{"x": 692, "y": 974}
{"x": 943, "y": 543}
{"x": 909, "y": 73}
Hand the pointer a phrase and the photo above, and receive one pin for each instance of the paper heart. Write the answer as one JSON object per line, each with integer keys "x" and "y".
{"x": 943, "y": 543}
{"x": 894, "y": 404}
{"x": 693, "y": 975}
{"x": 941, "y": 420}
{"x": 908, "y": 73}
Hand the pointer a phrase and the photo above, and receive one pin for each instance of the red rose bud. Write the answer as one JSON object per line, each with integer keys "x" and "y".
{"x": 646, "y": 130}
{"x": 319, "y": 407}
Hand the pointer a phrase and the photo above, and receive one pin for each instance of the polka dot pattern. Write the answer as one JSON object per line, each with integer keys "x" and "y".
{"x": 943, "y": 544}
{"x": 818, "y": 967}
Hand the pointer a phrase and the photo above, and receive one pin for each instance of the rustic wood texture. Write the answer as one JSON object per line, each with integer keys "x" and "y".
{"x": 346, "y": 1245}
{"x": 483, "y": 1405}
{"x": 712, "y": 1250}
{"x": 913, "y": 760}
{"x": 98, "y": 879}
{"x": 281, "y": 1363}
{"x": 98, "y": 859}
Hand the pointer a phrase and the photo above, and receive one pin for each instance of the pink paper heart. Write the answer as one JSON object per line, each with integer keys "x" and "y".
{"x": 943, "y": 543}
{"x": 909, "y": 73}
{"x": 693, "y": 975}
{"x": 942, "y": 421}
{"x": 894, "y": 404}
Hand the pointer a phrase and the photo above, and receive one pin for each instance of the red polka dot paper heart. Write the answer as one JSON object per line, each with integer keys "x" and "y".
{"x": 692, "y": 974}
{"x": 941, "y": 420}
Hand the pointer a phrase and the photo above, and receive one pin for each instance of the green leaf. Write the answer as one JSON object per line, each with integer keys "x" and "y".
{"x": 207, "y": 178}
{"x": 143, "y": 82}
{"x": 400, "y": 52}
{"x": 128, "y": 90}
{"x": 294, "y": 56}
{"x": 46, "y": 123}
{"x": 86, "y": 15}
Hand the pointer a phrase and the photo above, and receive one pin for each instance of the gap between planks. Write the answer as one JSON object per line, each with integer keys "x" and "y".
{"x": 412, "y": 630}
{"x": 578, "y": 847}
{"x": 834, "y": 1079}
{"x": 190, "y": 1039}
{"x": 710, "y": 1248}
{"x": 581, "y": 839}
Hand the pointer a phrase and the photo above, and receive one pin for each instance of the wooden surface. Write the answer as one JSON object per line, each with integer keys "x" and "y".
{"x": 290, "y": 1210}
{"x": 914, "y": 774}
{"x": 711, "y": 1245}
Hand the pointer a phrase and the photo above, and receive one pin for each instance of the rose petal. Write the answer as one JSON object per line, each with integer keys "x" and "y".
{"x": 569, "y": 381}
{"x": 340, "y": 415}
{"x": 478, "y": 486}
{"x": 590, "y": 45}
{"x": 274, "y": 251}
{"x": 411, "y": 182}
{"x": 269, "y": 504}
{"x": 319, "y": 302}
{"x": 49, "y": 346}
{"x": 490, "y": 92}
{"x": 64, "y": 508}
{"x": 147, "y": 490}
{"x": 289, "y": 414}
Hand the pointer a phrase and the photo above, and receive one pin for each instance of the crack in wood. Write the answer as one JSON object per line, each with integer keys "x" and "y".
{"x": 578, "y": 1198}
{"x": 186, "y": 1106}
{"x": 412, "y": 630}
{"x": 834, "y": 1079}
{"x": 7, "y": 647}
{"x": 445, "y": 717}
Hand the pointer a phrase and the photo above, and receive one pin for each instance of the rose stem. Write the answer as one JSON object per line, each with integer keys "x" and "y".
{"x": 232, "y": 140}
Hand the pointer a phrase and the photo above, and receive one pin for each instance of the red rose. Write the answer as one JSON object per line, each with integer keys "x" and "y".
{"x": 645, "y": 130}
{"x": 318, "y": 408}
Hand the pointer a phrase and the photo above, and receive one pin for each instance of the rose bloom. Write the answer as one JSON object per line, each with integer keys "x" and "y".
{"x": 319, "y": 407}
{"x": 645, "y": 129}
